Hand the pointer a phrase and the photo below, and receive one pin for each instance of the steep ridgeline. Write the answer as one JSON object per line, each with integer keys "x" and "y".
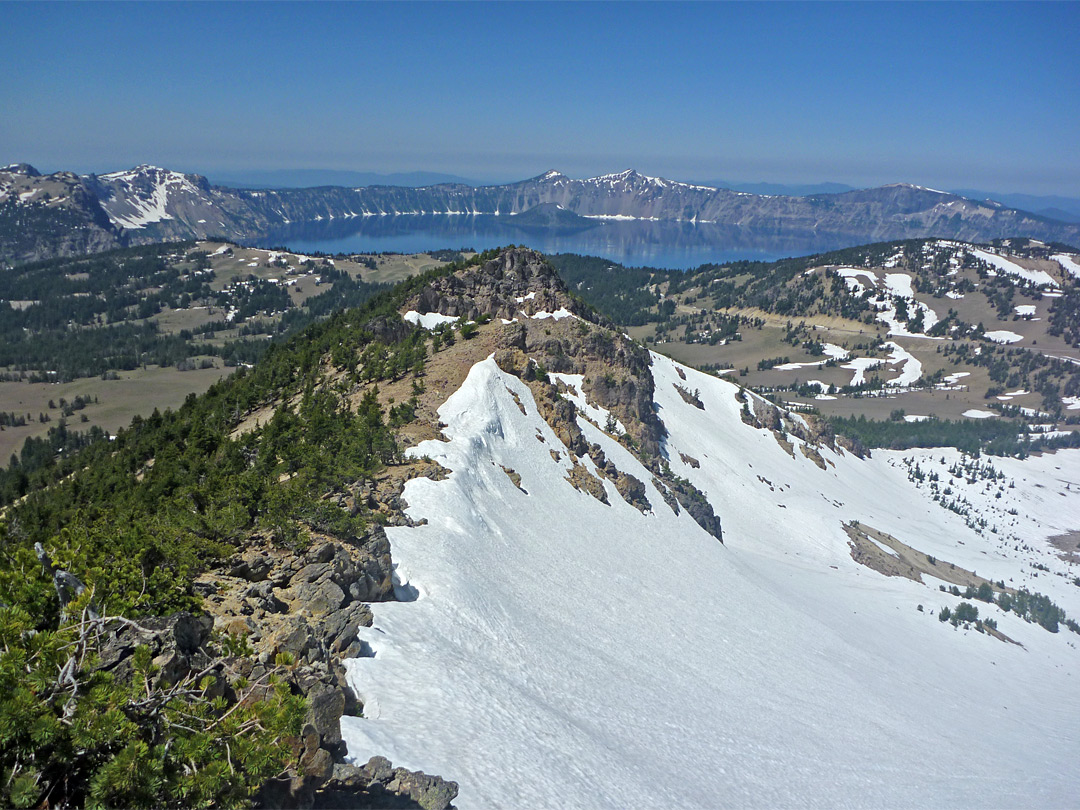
{"x": 152, "y": 204}
{"x": 175, "y": 603}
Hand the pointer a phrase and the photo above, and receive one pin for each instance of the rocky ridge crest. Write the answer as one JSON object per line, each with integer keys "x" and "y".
{"x": 516, "y": 294}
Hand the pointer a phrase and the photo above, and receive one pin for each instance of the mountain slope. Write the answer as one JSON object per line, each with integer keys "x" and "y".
{"x": 570, "y": 627}
{"x": 565, "y": 649}
{"x": 925, "y": 329}
{"x": 569, "y": 645}
{"x": 152, "y": 204}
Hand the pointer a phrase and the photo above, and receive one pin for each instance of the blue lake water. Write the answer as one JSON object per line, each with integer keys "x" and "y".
{"x": 655, "y": 244}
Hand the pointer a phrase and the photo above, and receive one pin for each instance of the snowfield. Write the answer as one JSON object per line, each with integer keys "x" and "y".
{"x": 896, "y": 285}
{"x": 1068, "y": 263}
{"x": 564, "y": 653}
{"x": 1003, "y": 265}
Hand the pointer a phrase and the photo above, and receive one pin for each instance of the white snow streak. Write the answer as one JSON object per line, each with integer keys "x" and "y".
{"x": 566, "y": 652}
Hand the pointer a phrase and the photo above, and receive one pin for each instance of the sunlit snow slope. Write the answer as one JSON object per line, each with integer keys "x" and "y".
{"x": 566, "y": 653}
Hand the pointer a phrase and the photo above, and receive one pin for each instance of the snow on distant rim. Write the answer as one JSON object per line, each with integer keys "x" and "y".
{"x": 1013, "y": 269}
{"x": 976, "y": 413}
{"x": 1067, "y": 262}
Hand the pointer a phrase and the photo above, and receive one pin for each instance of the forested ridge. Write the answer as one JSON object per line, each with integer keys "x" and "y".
{"x": 90, "y": 315}
{"x": 134, "y": 520}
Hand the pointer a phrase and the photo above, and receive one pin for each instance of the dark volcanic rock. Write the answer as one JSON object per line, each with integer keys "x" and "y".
{"x": 550, "y": 217}
{"x": 514, "y": 282}
{"x": 380, "y": 784}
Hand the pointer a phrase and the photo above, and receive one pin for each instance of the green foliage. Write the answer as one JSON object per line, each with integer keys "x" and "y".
{"x": 621, "y": 293}
{"x": 1034, "y": 607}
{"x": 965, "y": 612}
{"x": 993, "y": 436}
{"x": 137, "y": 519}
{"x": 73, "y": 735}
{"x": 89, "y": 314}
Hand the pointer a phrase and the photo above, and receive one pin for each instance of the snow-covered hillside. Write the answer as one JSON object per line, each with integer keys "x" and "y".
{"x": 562, "y": 652}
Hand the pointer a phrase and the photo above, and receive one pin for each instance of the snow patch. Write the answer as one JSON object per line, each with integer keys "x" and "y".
{"x": 1068, "y": 263}
{"x": 428, "y": 320}
{"x": 558, "y": 315}
{"x": 1003, "y": 336}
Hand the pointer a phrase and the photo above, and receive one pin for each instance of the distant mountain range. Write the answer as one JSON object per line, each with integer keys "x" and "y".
{"x": 62, "y": 213}
{"x": 1066, "y": 209}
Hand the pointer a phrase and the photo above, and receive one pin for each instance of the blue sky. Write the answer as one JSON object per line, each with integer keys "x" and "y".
{"x": 946, "y": 95}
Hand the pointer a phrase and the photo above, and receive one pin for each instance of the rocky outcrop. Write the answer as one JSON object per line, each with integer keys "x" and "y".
{"x": 380, "y": 784}
{"x": 853, "y": 445}
{"x": 768, "y": 415}
{"x": 630, "y": 488}
{"x": 690, "y": 397}
{"x": 308, "y": 606}
{"x": 517, "y": 282}
{"x": 677, "y": 491}
{"x": 177, "y": 645}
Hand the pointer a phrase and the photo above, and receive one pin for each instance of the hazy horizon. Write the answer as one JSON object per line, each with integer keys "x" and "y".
{"x": 966, "y": 95}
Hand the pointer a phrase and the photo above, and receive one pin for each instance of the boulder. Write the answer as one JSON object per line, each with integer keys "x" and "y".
{"x": 380, "y": 784}
{"x": 326, "y": 704}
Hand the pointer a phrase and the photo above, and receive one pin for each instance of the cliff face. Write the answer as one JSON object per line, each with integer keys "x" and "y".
{"x": 890, "y": 212}
{"x": 42, "y": 216}
{"x": 148, "y": 204}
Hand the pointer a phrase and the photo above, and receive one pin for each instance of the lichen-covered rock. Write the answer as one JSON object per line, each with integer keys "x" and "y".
{"x": 630, "y": 488}
{"x": 326, "y": 704}
{"x": 175, "y": 642}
